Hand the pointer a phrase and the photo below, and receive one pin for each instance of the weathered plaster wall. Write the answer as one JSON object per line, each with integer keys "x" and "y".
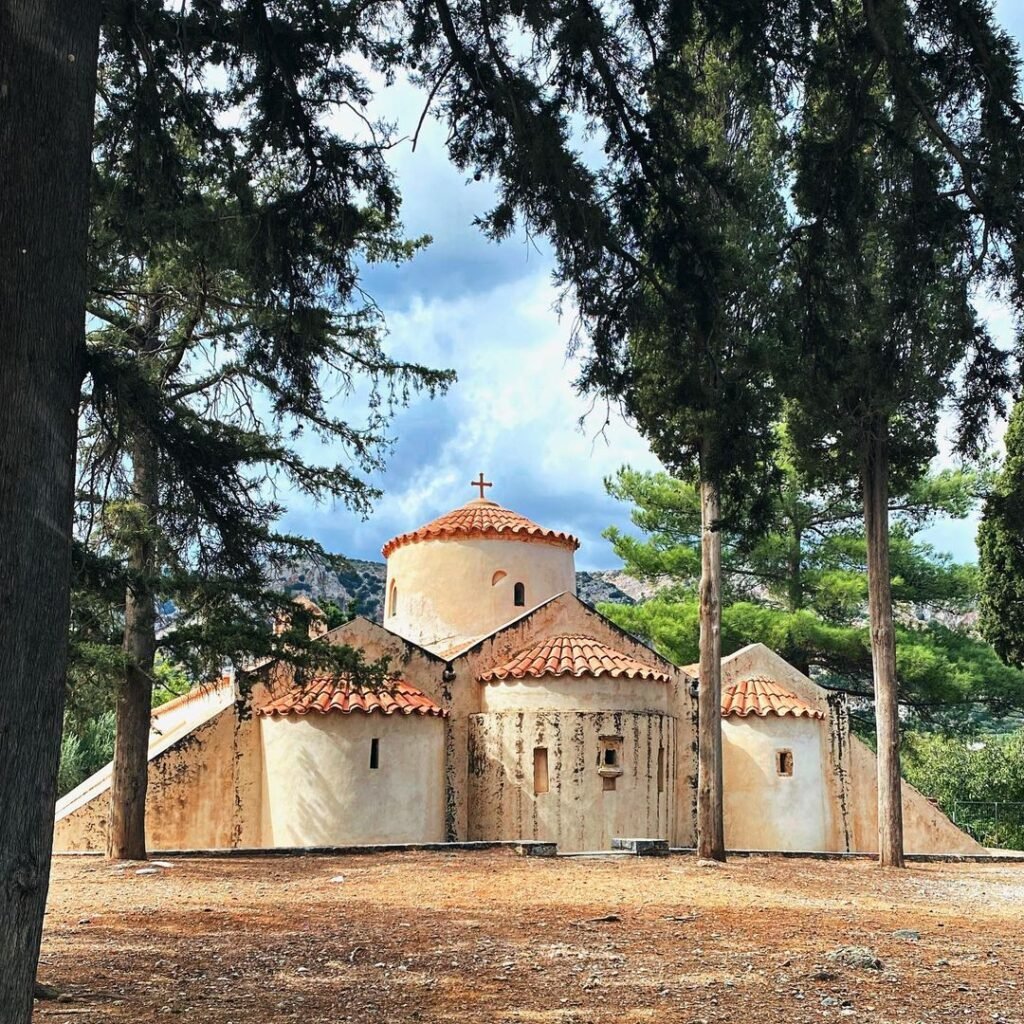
{"x": 204, "y": 791}
{"x": 578, "y": 811}
{"x": 849, "y": 772}
{"x": 321, "y": 791}
{"x": 567, "y": 693}
{"x": 925, "y": 828}
{"x": 765, "y": 810}
{"x": 447, "y": 593}
{"x": 567, "y": 614}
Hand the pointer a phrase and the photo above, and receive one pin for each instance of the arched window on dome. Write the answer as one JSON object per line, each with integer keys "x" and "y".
{"x": 519, "y": 593}
{"x": 393, "y": 599}
{"x": 498, "y": 577}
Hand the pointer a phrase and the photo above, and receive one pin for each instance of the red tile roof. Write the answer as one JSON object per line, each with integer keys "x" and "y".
{"x": 572, "y": 655}
{"x": 338, "y": 694}
{"x": 482, "y": 518}
{"x": 762, "y": 696}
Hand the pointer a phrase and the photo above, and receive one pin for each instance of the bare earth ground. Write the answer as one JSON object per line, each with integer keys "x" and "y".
{"x": 491, "y": 937}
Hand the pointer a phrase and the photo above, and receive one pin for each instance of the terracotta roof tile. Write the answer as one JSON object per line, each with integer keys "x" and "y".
{"x": 762, "y": 696}
{"x": 482, "y": 518}
{"x": 327, "y": 694}
{"x": 572, "y": 655}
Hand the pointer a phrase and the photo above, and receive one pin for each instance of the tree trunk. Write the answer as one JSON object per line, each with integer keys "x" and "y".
{"x": 47, "y": 86}
{"x": 126, "y": 839}
{"x": 875, "y": 485}
{"x": 710, "y": 819}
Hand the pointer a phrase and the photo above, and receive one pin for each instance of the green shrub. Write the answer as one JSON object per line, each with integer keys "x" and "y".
{"x": 979, "y": 782}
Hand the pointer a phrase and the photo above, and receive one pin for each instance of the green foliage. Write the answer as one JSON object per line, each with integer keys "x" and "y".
{"x": 1001, "y": 550}
{"x": 335, "y": 615}
{"x": 888, "y": 252}
{"x": 810, "y": 550}
{"x": 229, "y": 343}
{"x": 969, "y": 778}
{"x": 84, "y": 751}
{"x": 945, "y": 675}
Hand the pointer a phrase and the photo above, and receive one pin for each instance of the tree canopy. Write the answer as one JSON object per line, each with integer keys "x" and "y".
{"x": 1001, "y": 551}
{"x": 947, "y": 675}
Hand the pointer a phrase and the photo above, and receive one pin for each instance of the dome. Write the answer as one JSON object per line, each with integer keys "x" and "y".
{"x": 482, "y": 518}
{"x": 469, "y": 572}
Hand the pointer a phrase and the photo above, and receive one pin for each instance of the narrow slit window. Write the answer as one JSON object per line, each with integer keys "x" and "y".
{"x": 393, "y": 600}
{"x": 540, "y": 770}
{"x": 784, "y": 762}
{"x": 661, "y": 769}
{"x": 520, "y": 595}
{"x": 374, "y": 753}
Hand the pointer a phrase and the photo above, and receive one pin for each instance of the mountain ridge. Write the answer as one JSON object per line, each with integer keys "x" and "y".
{"x": 360, "y": 583}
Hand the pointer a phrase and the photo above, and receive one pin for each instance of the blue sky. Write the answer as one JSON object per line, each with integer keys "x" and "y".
{"x": 488, "y": 311}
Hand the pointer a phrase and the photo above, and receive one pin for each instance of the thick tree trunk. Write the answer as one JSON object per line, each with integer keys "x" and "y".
{"x": 875, "y": 485}
{"x": 710, "y": 819}
{"x": 47, "y": 85}
{"x": 127, "y": 836}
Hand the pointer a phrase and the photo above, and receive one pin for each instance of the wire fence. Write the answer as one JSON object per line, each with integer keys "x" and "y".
{"x": 998, "y": 823}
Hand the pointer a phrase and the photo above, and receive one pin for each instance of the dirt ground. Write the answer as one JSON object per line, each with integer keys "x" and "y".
{"x": 491, "y": 937}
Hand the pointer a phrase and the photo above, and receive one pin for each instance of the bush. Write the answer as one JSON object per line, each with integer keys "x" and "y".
{"x": 977, "y": 782}
{"x": 84, "y": 752}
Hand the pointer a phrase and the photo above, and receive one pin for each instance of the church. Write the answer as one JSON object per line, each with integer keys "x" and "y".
{"x": 514, "y": 711}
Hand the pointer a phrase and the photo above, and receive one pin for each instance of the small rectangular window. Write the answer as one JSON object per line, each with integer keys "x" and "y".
{"x": 784, "y": 762}
{"x": 375, "y": 753}
{"x": 661, "y": 769}
{"x": 540, "y": 770}
{"x": 609, "y": 755}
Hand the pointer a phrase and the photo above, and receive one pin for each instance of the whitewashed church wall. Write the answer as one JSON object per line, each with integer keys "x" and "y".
{"x": 766, "y": 810}
{"x": 320, "y": 788}
{"x": 577, "y": 802}
{"x": 440, "y": 592}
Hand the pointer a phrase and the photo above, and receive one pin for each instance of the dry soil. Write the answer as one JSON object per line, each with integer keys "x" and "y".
{"x": 491, "y": 937}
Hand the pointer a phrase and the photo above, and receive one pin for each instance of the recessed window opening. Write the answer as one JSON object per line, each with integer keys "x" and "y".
{"x": 540, "y": 770}
{"x": 661, "y": 769}
{"x": 609, "y": 756}
{"x": 520, "y": 595}
{"x": 498, "y": 577}
{"x": 393, "y": 599}
{"x": 784, "y": 762}
{"x": 375, "y": 753}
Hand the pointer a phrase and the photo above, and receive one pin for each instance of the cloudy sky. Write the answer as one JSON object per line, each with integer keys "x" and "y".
{"x": 488, "y": 312}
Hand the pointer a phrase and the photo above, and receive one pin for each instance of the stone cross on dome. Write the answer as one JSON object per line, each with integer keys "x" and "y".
{"x": 481, "y": 483}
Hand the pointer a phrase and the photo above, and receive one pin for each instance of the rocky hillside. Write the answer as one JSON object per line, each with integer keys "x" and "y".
{"x": 363, "y": 582}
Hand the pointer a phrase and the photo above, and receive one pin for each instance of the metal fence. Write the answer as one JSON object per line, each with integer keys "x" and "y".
{"x": 996, "y": 823}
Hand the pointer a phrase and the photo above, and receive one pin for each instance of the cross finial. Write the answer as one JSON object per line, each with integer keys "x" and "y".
{"x": 481, "y": 483}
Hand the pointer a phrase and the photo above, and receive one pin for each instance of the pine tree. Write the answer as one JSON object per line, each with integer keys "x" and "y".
{"x": 1001, "y": 551}
{"x": 228, "y": 228}
{"x": 800, "y": 587}
{"x": 893, "y": 236}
